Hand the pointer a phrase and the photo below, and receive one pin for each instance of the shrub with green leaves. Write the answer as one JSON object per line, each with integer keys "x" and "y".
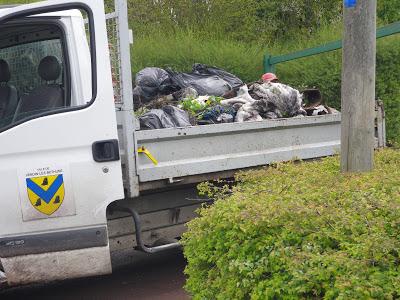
{"x": 299, "y": 230}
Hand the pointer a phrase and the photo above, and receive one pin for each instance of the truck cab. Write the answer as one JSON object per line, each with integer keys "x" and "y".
{"x": 59, "y": 159}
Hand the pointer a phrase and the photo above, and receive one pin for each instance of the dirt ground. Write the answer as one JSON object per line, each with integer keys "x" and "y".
{"x": 136, "y": 276}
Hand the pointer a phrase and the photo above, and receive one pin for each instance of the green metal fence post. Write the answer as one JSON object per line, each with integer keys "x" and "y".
{"x": 268, "y": 66}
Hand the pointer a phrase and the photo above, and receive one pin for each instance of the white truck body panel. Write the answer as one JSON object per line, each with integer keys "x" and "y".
{"x": 214, "y": 148}
{"x": 65, "y": 140}
{"x": 62, "y": 142}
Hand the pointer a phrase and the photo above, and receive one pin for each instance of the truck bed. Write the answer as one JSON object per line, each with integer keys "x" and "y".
{"x": 211, "y": 149}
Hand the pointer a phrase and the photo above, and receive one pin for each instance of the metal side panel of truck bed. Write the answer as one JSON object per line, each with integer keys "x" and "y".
{"x": 182, "y": 152}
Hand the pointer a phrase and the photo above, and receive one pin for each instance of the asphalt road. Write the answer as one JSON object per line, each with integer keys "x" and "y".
{"x": 137, "y": 276}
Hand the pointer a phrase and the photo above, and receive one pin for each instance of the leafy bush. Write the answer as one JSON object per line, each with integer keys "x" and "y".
{"x": 300, "y": 230}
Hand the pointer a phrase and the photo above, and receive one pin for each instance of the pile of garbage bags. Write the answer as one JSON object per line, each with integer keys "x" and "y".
{"x": 152, "y": 83}
{"x": 210, "y": 95}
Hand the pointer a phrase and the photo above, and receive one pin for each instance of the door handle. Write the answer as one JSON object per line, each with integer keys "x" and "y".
{"x": 104, "y": 151}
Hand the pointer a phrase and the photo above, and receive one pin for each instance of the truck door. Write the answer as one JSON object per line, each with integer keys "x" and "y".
{"x": 59, "y": 154}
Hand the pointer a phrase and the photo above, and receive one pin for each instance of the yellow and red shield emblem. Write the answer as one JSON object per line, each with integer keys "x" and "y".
{"x": 46, "y": 193}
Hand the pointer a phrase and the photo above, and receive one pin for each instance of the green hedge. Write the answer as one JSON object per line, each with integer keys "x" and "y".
{"x": 300, "y": 230}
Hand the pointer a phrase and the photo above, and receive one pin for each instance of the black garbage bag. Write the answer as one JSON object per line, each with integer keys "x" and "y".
{"x": 167, "y": 117}
{"x": 234, "y": 81}
{"x": 155, "y": 119}
{"x": 179, "y": 117}
{"x": 206, "y": 80}
{"x": 204, "y": 84}
{"x": 139, "y": 99}
{"x": 151, "y": 83}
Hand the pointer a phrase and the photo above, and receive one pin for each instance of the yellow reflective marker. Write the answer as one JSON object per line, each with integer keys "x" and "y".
{"x": 148, "y": 154}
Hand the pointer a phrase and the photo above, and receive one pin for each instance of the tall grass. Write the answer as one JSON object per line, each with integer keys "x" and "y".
{"x": 185, "y": 47}
{"x": 182, "y": 50}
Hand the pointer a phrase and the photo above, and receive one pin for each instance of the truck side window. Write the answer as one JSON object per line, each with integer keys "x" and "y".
{"x": 24, "y": 61}
{"x": 33, "y": 72}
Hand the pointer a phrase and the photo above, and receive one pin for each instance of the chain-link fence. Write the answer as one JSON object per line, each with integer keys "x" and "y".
{"x": 115, "y": 57}
{"x": 115, "y": 53}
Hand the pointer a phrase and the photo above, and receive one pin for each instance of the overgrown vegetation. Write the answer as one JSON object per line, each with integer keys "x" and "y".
{"x": 244, "y": 20}
{"x": 235, "y": 35}
{"x": 185, "y": 48}
{"x": 299, "y": 230}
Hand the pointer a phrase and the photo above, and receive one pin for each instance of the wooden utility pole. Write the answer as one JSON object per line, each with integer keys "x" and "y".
{"x": 358, "y": 86}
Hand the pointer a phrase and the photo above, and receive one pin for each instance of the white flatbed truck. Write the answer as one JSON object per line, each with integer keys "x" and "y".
{"x": 78, "y": 180}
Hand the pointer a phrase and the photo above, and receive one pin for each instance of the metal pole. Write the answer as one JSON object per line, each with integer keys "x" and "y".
{"x": 138, "y": 232}
{"x": 358, "y": 85}
{"x": 268, "y": 67}
{"x": 127, "y": 115}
